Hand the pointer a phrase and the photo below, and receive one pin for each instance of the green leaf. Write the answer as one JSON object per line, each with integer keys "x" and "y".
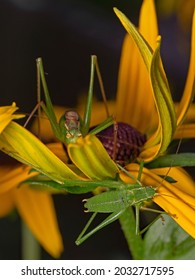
{"x": 166, "y": 240}
{"x": 74, "y": 186}
{"x": 183, "y": 159}
{"x": 59, "y": 187}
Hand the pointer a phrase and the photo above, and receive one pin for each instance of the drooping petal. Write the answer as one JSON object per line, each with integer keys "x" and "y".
{"x": 165, "y": 107}
{"x": 6, "y": 203}
{"x": 179, "y": 204}
{"x": 89, "y": 155}
{"x": 182, "y": 212}
{"x": 190, "y": 115}
{"x": 12, "y": 176}
{"x": 189, "y": 90}
{"x": 25, "y": 147}
{"x": 7, "y": 115}
{"x": 37, "y": 210}
{"x": 184, "y": 181}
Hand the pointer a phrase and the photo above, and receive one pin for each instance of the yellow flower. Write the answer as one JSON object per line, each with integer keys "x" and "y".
{"x": 35, "y": 207}
{"x": 143, "y": 92}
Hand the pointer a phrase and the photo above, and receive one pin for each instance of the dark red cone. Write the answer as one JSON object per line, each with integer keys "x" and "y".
{"x": 122, "y": 142}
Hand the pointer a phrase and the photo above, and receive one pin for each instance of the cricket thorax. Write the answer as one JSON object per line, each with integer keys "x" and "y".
{"x": 122, "y": 142}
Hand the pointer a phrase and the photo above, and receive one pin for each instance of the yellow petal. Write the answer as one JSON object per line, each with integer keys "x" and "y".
{"x": 182, "y": 212}
{"x": 165, "y": 107}
{"x": 58, "y": 150}
{"x": 184, "y": 181}
{"x": 127, "y": 95}
{"x": 179, "y": 204}
{"x": 11, "y": 176}
{"x": 185, "y": 131}
{"x": 25, "y": 147}
{"x": 6, "y": 203}
{"x": 189, "y": 90}
{"x": 6, "y": 115}
{"x": 148, "y": 25}
{"x": 37, "y": 210}
{"x": 190, "y": 116}
{"x": 134, "y": 88}
{"x": 89, "y": 155}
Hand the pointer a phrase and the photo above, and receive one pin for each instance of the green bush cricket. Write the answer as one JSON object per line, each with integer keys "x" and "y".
{"x": 117, "y": 202}
{"x": 69, "y": 128}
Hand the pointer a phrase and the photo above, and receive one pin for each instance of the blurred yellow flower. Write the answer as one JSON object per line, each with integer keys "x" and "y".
{"x": 36, "y": 208}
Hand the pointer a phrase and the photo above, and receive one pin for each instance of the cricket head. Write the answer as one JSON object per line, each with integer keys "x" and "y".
{"x": 70, "y": 125}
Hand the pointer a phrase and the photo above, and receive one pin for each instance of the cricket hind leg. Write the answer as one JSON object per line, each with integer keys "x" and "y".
{"x": 110, "y": 219}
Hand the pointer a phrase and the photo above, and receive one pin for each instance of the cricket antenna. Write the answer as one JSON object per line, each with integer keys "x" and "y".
{"x": 102, "y": 89}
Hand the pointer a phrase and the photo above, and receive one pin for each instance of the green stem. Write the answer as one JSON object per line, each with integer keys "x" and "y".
{"x": 30, "y": 247}
{"x": 135, "y": 242}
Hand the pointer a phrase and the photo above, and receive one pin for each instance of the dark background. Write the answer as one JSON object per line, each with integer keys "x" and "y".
{"x": 65, "y": 34}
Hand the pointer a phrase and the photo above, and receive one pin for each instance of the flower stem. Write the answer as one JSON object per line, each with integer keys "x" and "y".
{"x": 30, "y": 247}
{"x": 135, "y": 242}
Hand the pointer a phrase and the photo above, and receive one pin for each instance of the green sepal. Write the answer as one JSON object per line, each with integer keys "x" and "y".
{"x": 183, "y": 159}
